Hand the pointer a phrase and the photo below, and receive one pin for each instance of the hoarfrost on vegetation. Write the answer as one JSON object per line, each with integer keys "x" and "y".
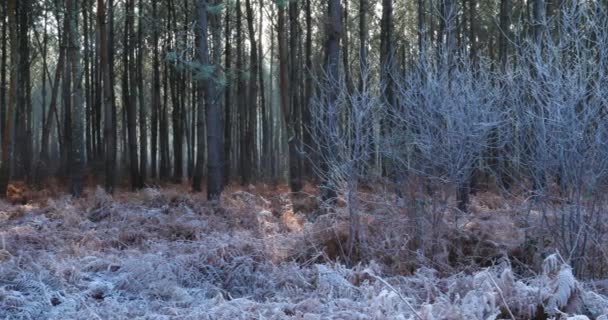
{"x": 166, "y": 255}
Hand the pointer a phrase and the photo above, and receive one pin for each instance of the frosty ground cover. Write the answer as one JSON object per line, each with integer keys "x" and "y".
{"x": 168, "y": 254}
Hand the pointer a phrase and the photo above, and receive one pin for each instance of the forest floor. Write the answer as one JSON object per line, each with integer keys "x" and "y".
{"x": 169, "y": 254}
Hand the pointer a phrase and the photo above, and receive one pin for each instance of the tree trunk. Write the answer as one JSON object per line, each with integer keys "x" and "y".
{"x": 3, "y": 64}
{"x": 214, "y": 116}
{"x": 252, "y": 93}
{"x": 227, "y": 101}
{"x": 143, "y": 115}
{"x": 295, "y": 182}
{"x": 155, "y": 96}
{"x": 294, "y": 128}
{"x": 129, "y": 95}
{"x": 308, "y": 93}
{"x": 363, "y": 34}
{"x": 8, "y": 127}
{"x": 203, "y": 57}
{"x": 421, "y": 29}
{"x": 78, "y": 117}
{"x": 504, "y": 33}
{"x": 538, "y": 21}
{"x": 242, "y": 105}
{"x": 87, "y": 82}
{"x": 106, "y": 36}
{"x": 332, "y": 69}
{"x": 473, "y": 29}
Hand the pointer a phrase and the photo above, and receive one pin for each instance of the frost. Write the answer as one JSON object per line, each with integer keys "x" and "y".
{"x": 167, "y": 255}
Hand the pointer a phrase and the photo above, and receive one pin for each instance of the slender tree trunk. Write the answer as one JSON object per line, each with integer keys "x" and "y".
{"x": 539, "y": 13}
{"x": 78, "y": 144}
{"x": 504, "y": 32}
{"x": 155, "y": 94}
{"x": 227, "y": 99}
{"x": 332, "y": 69}
{"x": 87, "y": 82}
{"x": 308, "y": 92}
{"x": 8, "y": 127}
{"x": 346, "y": 48}
{"x": 295, "y": 180}
{"x": 473, "y": 30}
{"x": 44, "y": 86}
{"x": 242, "y": 105}
{"x": 214, "y": 128}
{"x": 363, "y": 35}
{"x": 252, "y": 93}
{"x": 421, "y": 29}
{"x": 3, "y": 63}
{"x": 143, "y": 113}
{"x": 66, "y": 150}
{"x": 265, "y": 124}
{"x": 128, "y": 96}
{"x": 105, "y": 36}
{"x": 295, "y": 120}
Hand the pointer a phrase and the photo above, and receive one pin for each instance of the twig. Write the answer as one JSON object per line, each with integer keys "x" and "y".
{"x": 502, "y": 297}
{"x": 398, "y": 294}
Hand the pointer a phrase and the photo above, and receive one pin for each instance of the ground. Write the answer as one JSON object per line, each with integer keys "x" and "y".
{"x": 170, "y": 254}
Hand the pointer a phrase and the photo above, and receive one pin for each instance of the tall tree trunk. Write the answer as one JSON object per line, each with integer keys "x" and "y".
{"x": 308, "y": 92}
{"x": 3, "y": 69}
{"x": 242, "y": 105}
{"x": 295, "y": 179}
{"x": 143, "y": 114}
{"x": 539, "y": 13}
{"x": 155, "y": 96}
{"x": 295, "y": 119}
{"x": 332, "y": 69}
{"x": 66, "y": 98}
{"x": 473, "y": 30}
{"x": 129, "y": 96}
{"x": 252, "y": 93}
{"x": 214, "y": 116}
{"x": 22, "y": 141}
{"x": 363, "y": 35}
{"x": 227, "y": 99}
{"x": 346, "y": 48}
{"x": 78, "y": 117}
{"x": 387, "y": 51}
{"x": 109, "y": 110}
{"x": 87, "y": 82}
{"x": 177, "y": 98}
{"x": 265, "y": 124}
{"x": 44, "y": 84}
{"x": 10, "y": 105}
{"x": 504, "y": 32}
{"x": 421, "y": 29}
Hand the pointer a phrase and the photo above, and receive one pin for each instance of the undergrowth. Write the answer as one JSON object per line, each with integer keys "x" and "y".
{"x": 167, "y": 254}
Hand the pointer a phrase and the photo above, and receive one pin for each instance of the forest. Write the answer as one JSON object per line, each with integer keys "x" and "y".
{"x": 304, "y": 159}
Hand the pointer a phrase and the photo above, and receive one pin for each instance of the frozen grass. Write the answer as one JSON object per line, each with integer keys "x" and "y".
{"x": 167, "y": 254}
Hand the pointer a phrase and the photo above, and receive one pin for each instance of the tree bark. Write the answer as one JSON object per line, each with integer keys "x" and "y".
{"x": 214, "y": 127}
{"x": 155, "y": 96}
{"x": 504, "y": 32}
{"x": 143, "y": 113}
{"x": 227, "y": 99}
{"x": 78, "y": 117}
{"x": 294, "y": 129}
{"x": 109, "y": 110}
{"x": 129, "y": 95}
{"x": 252, "y": 94}
{"x": 332, "y": 69}
{"x": 8, "y": 127}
